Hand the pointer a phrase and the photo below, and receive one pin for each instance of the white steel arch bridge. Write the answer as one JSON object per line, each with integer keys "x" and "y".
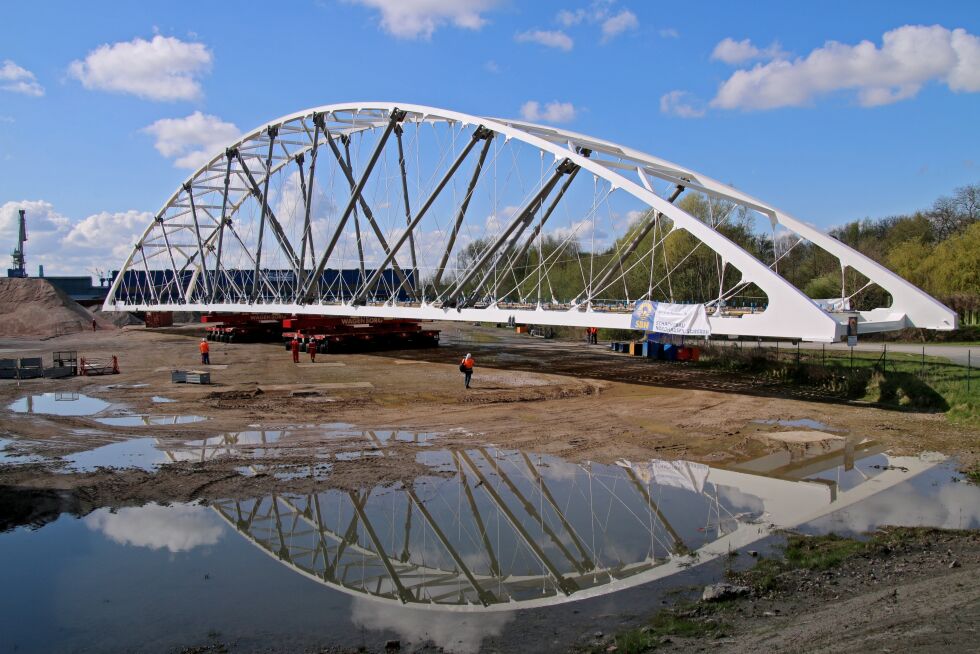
{"x": 383, "y": 210}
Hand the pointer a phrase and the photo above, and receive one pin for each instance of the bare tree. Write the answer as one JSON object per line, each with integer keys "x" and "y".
{"x": 967, "y": 199}
{"x": 945, "y": 217}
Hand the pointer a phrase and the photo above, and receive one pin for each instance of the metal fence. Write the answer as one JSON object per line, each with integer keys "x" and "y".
{"x": 884, "y": 358}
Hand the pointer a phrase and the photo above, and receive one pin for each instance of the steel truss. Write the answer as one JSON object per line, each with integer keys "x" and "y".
{"x": 406, "y": 211}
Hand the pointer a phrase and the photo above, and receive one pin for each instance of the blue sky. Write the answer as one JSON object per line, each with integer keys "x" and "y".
{"x": 827, "y": 132}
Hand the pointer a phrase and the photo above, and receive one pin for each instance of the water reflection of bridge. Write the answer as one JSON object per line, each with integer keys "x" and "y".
{"x": 503, "y": 529}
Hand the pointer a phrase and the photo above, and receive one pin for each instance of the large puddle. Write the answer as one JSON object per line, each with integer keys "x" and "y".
{"x": 491, "y": 548}
{"x": 59, "y": 404}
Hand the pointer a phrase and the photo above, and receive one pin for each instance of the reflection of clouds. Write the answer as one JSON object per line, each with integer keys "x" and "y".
{"x": 558, "y": 470}
{"x": 739, "y": 501}
{"x": 455, "y": 632}
{"x": 176, "y": 528}
{"x": 952, "y": 506}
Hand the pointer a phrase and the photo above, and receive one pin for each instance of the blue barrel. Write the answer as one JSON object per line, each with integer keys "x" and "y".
{"x": 670, "y": 352}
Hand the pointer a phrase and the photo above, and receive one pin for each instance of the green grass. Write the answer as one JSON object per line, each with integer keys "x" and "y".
{"x": 764, "y": 577}
{"x": 804, "y": 552}
{"x": 677, "y": 622}
{"x": 964, "y": 406}
{"x": 973, "y": 475}
{"x": 821, "y": 552}
{"x": 898, "y": 380}
{"x": 818, "y": 553}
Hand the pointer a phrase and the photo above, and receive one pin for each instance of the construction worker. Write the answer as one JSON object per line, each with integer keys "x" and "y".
{"x": 95, "y": 325}
{"x": 311, "y": 348}
{"x": 594, "y": 335}
{"x": 205, "y": 352}
{"x": 466, "y": 367}
{"x": 294, "y": 346}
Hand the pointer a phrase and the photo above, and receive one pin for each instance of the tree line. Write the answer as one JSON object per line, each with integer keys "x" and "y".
{"x": 937, "y": 249}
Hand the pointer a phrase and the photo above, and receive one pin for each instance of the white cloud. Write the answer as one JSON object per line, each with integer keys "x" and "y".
{"x": 669, "y": 33}
{"x": 174, "y": 528}
{"x": 616, "y": 25}
{"x": 491, "y": 66}
{"x": 634, "y": 216}
{"x": 46, "y": 228}
{"x": 192, "y": 141}
{"x": 289, "y": 204}
{"x": 42, "y": 219}
{"x": 164, "y": 68}
{"x": 496, "y": 222}
{"x": 461, "y": 632}
{"x": 15, "y": 79}
{"x": 583, "y": 231}
{"x": 680, "y": 103}
{"x": 107, "y": 236}
{"x": 551, "y": 39}
{"x": 909, "y": 57}
{"x": 599, "y": 11}
{"x": 64, "y": 246}
{"x": 568, "y": 18}
{"x": 731, "y": 51}
{"x": 414, "y": 19}
{"x": 554, "y": 112}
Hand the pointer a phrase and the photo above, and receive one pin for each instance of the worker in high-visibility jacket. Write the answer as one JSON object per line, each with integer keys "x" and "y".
{"x": 311, "y": 347}
{"x": 466, "y": 367}
{"x": 294, "y": 346}
{"x": 205, "y": 352}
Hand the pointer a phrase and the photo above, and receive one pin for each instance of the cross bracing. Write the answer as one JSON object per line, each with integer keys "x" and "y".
{"x": 404, "y": 211}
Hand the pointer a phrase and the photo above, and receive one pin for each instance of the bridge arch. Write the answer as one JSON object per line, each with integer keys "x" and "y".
{"x": 407, "y": 211}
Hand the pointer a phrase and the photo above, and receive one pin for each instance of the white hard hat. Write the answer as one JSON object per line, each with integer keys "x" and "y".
{"x": 468, "y": 355}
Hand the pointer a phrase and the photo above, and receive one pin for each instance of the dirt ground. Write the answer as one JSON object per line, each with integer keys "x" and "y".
{"x": 920, "y": 594}
{"x": 555, "y": 397}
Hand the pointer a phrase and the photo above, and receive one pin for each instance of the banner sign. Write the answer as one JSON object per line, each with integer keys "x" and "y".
{"x": 682, "y": 319}
{"x": 643, "y": 315}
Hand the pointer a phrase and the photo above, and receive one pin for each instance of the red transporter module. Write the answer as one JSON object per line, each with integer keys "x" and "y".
{"x": 333, "y": 334}
{"x": 243, "y": 327}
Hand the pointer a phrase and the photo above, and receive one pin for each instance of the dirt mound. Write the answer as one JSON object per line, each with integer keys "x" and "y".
{"x": 34, "y": 308}
{"x": 117, "y": 318}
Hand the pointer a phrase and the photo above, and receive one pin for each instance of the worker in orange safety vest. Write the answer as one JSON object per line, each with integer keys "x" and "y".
{"x": 466, "y": 367}
{"x": 294, "y": 346}
{"x": 312, "y": 348}
{"x": 205, "y": 352}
